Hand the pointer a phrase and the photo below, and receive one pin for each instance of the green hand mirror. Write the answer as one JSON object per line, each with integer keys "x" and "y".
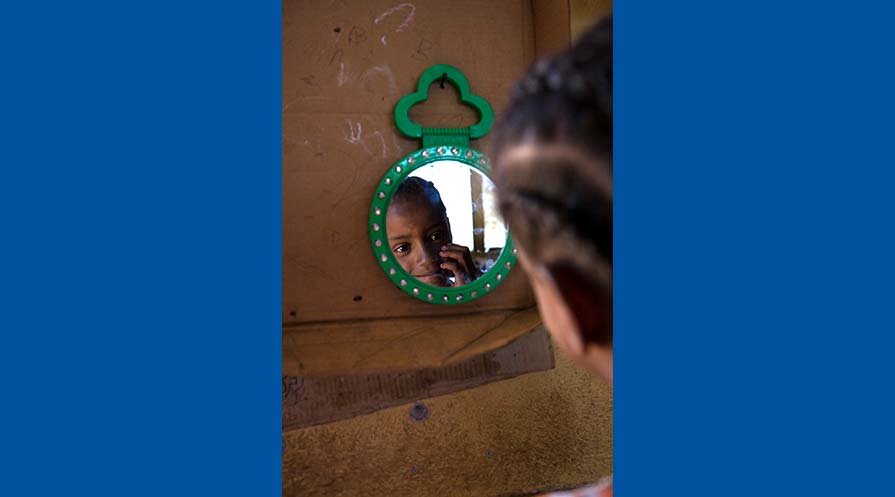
{"x": 434, "y": 224}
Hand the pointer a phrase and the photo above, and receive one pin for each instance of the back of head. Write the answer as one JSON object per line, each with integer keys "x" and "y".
{"x": 565, "y": 99}
{"x": 552, "y": 155}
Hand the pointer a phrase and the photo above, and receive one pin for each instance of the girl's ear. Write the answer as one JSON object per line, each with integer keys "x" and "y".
{"x": 590, "y": 307}
{"x": 557, "y": 315}
{"x": 577, "y": 315}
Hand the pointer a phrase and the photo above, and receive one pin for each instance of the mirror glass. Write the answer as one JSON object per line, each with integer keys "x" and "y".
{"x": 443, "y": 224}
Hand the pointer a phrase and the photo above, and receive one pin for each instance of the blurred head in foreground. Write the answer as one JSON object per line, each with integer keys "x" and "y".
{"x": 552, "y": 156}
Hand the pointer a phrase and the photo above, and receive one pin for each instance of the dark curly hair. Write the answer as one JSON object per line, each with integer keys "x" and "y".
{"x": 414, "y": 187}
{"x": 552, "y": 155}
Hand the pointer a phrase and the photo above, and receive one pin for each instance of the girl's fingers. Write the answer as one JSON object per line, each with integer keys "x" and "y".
{"x": 460, "y": 274}
{"x": 454, "y": 246}
{"x": 453, "y": 254}
{"x": 452, "y": 266}
{"x": 460, "y": 254}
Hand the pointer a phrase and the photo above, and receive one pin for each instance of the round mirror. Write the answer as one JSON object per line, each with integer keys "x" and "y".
{"x": 435, "y": 227}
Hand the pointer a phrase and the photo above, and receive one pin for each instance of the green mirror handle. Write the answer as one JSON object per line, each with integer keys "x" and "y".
{"x": 452, "y": 74}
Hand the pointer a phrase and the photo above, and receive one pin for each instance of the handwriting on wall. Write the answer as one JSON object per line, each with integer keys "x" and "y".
{"x": 357, "y": 46}
{"x": 404, "y": 23}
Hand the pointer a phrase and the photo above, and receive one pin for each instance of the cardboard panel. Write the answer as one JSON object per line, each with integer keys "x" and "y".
{"x": 329, "y": 271}
{"x": 345, "y": 65}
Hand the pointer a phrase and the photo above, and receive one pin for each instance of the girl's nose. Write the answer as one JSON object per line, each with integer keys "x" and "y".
{"x": 430, "y": 256}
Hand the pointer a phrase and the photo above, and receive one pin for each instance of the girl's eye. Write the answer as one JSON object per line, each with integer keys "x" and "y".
{"x": 404, "y": 247}
{"x": 437, "y": 236}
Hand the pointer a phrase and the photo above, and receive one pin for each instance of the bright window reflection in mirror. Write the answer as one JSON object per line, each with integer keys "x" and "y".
{"x": 452, "y": 179}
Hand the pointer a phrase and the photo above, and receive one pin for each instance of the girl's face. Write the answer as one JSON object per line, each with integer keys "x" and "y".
{"x": 416, "y": 232}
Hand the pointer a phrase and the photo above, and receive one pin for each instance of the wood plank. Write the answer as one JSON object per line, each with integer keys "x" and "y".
{"x": 584, "y": 13}
{"x": 388, "y": 345}
{"x": 552, "y": 29}
{"x": 309, "y": 401}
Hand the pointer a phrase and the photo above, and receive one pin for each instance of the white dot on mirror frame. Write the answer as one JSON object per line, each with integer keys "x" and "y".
{"x": 416, "y": 291}
{"x": 474, "y": 294}
{"x": 425, "y": 153}
{"x": 383, "y": 258}
{"x": 445, "y": 298}
{"x": 391, "y": 271}
{"x": 499, "y": 276}
{"x": 459, "y": 297}
{"x": 382, "y": 195}
{"x": 440, "y": 150}
{"x": 379, "y": 244}
{"x": 399, "y": 168}
{"x": 403, "y": 282}
{"x": 487, "y": 286}
{"x": 469, "y": 154}
{"x": 375, "y": 227}
{"x": 429, "y": 296}
{"x": 455, "y": 151}
{"x": 388, "y": 181}
{"x": 515, "y": 251}
{"x": 410, "y": 161}
{"x": 378, "y": 212}
{"x": 508, "y": 264}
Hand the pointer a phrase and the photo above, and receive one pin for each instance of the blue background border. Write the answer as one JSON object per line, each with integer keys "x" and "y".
{"x": 140, "y": 205}
{"x": 754, "y": 259}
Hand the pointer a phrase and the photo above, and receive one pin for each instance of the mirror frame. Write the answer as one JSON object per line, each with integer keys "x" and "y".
{"x": 379, "y": 238}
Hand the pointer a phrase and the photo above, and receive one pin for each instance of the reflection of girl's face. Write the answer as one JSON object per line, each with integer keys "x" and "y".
{"x": 416, "y": 232}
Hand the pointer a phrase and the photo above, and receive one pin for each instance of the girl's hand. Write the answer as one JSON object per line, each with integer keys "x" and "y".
{"x": 458, "y": 260}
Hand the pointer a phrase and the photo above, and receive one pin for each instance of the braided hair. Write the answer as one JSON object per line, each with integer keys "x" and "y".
{"x": 414, "y": 187}
{"x": 552, "y": 155}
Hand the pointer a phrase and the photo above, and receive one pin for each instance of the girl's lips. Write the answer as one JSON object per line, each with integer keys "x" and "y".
{"x": 438, "y": 272}
{"x": 436, "y": 276}
{"x": 437, "y": 279}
